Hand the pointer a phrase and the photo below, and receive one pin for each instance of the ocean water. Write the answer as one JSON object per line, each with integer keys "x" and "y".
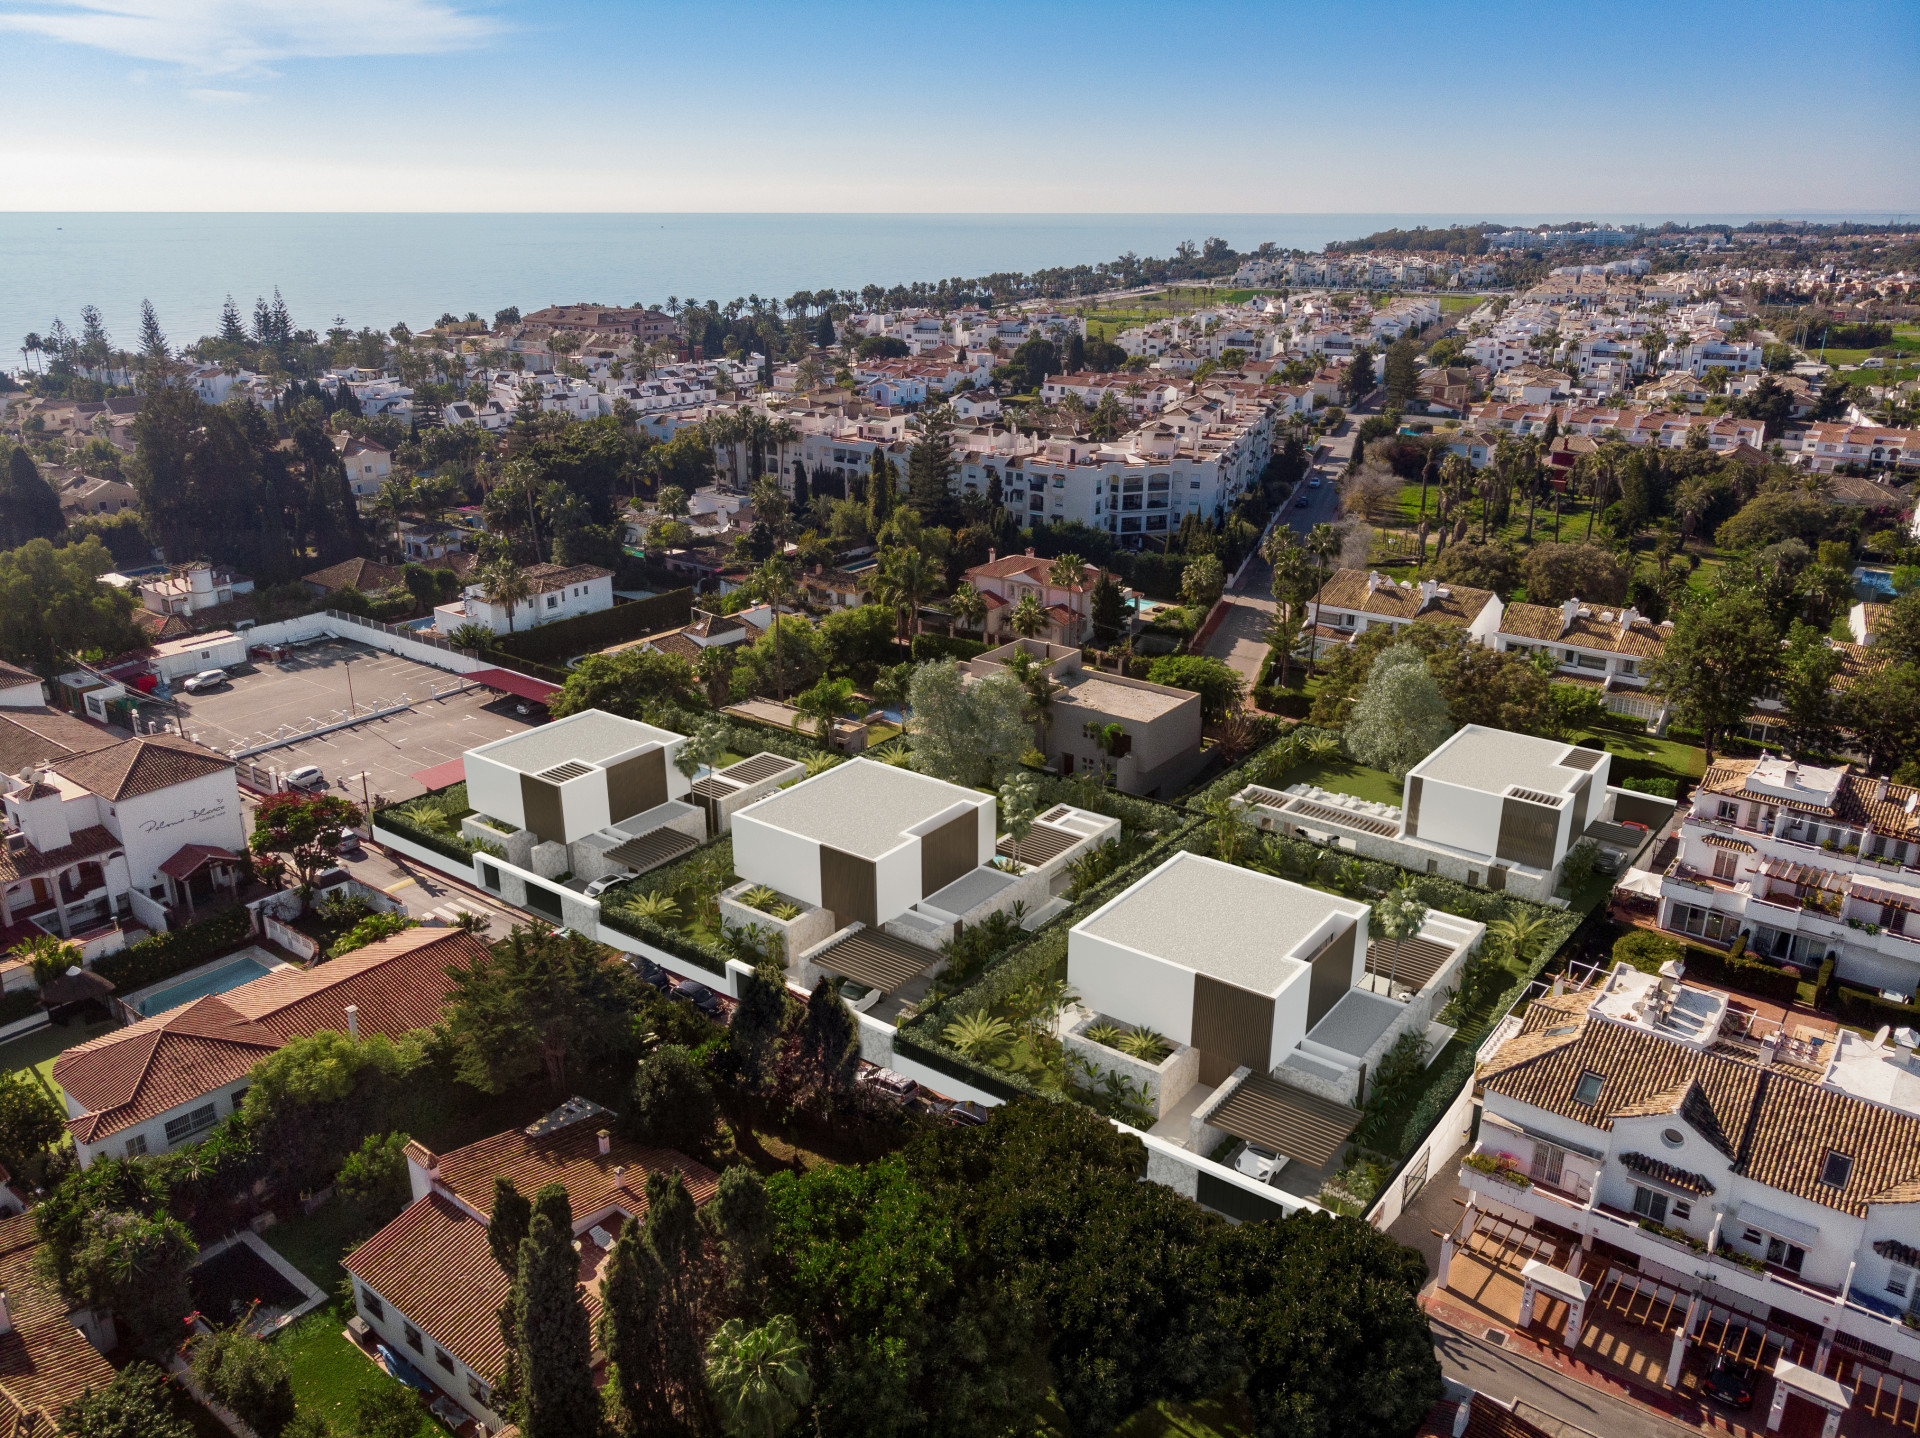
{"x": 381, "y": 268}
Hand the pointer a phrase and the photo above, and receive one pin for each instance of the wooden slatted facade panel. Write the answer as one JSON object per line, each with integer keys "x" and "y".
{"x": 637, "y": 784}
{"x": 1413, "y": 806}
{"x": 1527, "y": 833}
{"x": 1332, "y": 965}
{"x": 540, "y": 803}
{"x": 1231, "y": 1028}
{"x": 949, "y": 851}
{"x": 849, "y": 887}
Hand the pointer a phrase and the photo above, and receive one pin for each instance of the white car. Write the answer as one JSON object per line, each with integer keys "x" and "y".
{"x": 858, "y": 997}
{"x": 307, "y": 776}
{"x": 1262, "y": 1164}
{"x": 206, "y": 679}
{"x": 600, "y": 886}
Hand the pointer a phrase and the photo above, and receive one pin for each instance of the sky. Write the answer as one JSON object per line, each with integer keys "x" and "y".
{"x": 1681, "y": 107}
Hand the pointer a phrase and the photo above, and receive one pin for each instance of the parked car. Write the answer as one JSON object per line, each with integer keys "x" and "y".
{"x": 600, "y": 886}
{"x": 652, "y": 973}
{"x": 700, "y": 996}
{"x": 1300, "y": 503}
{"x": 1259, "y": 1163}
{"x": 206, "y": 679}
{"x": 968, "y": 1114}
{"x": 858, "y": 997}
{"x": 896, "y": 1086}
{"x": 347, "y": 841}
{"x": 307, "y": 776}
{"x": 1729, "y": 1383}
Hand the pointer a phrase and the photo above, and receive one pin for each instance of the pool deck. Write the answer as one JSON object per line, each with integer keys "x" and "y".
{"x": 265, "y": 958}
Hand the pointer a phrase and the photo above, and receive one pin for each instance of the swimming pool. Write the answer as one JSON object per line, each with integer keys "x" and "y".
{"x": 213, "y": 981}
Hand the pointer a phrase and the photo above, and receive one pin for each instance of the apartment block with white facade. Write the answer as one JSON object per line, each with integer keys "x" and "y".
{"x": 1650, "y": 1137}
{"x": 1803, "y": 862}
{"x": 557, "y": 592}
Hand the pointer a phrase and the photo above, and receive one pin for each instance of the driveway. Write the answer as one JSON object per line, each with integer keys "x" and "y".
{"x": 1490, "y": 1369}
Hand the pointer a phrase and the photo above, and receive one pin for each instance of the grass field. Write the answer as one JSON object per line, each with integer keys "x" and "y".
{"x": 328, "y": 1372}
{"x": 1343, "y": 776}
{"x": 1453, "y": 304}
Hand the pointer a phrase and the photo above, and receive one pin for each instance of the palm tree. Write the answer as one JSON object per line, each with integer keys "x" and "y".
{"x": 1323, "y": 543}
{"x": 1040, "y": 687}
{"x": 969, "y": 606}
{"x": 504, "y": 582}
{"x": 1520, "y": 934}
{"x": 772, "y": 585}
{"x": 1028, "y": 618}
{"x": 758, "y": 1376}
{"x": 1069, "y": 571}
{"x": 825, "y": 702}
{"x": 978, "y": 1034}
{"x": 1106, "y": 738}
{"x": 907, "y": 578}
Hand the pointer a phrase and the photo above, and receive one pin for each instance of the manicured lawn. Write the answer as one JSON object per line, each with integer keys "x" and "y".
{"x": 1343, "y": 776}
{"x": 36, "y": 1053}
{"x": 1639, "y": 755}
{"x": 328, "y": 1372}
{"x": 1451, "y": 304}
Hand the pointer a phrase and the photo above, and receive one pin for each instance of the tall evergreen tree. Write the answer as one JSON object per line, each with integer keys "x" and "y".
{"x": 930, "y": 464}
{"x": 631, "y": 1333}
{"x": 740, "y": 1223}
{"x": 802, "y": 495}
{"x": 507, "y": 1228}
{"x": 880, "y": 490}
{"x": 829, "y": 1040}
{"x": 673, "y": 1239}
{"x": 555, "y": 1341}
{"x": 552, "y": 1203}
{"x": 29, "y": 509}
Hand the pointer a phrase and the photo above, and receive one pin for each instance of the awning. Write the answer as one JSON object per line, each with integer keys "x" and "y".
{"x": 1639, "y": 881}
{"x": 1412, "y": 962}
{"x": 1815, "y": 1387}
{"x": 1721, "y": 841}
{"x": 189, "y": 859}
{"x": 1901, "y": 897}
{"x": 1807, "y": 876}
{"x": 1043, "y": 842}
{"x": 652, "y": 849}
{"x": 520, "y": 685}
{"x": 1290, "y": 1121}
{"x": 1767, "y": 1221}
{"x": 875, "y": 958}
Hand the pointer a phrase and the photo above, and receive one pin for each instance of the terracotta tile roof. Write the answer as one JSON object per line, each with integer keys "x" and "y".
{"x": 363, "y": 574}
{"x": 546, "y": 577}
{"x": 36, "y": 734}
{"x": 1662, "y": 1171}
{"x": 143, "y": 1070}
{"x": 189, "y": 857}
{"x": 12, "y": 674}
{"x": 432, "y": 1263}
{"x": 134, "y": 767}
{"x": 673, "y": 641}
{"x": 1775, "y": 1126}
{"x": 20, "y": 860}
{"x": 161, "y": 626}
{"x": 1541, "y": 622}
{"x": 1031, "y": 567}
{"x": 1347, "y": 589}
{"x": 45, "y": 1362}
{"x": 1855, "y": 804}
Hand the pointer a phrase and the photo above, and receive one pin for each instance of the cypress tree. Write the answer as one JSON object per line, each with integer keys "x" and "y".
{"x": 802, "y": 496}
{"x": 630, "y": 1335}
{"x": 673, "y": 1240}
{"x": 512, "y": 1215}
{"x": 930, "y": 465}
{"x": 29, "y": 509}
{"x": 760, "y": 1021}
{"x": 740, "y": 1223}
{"x": 829, "y": 1046}
{"x": 880, "y": 490}
{"x": 555, "y": 1341}
{"x": 552, "y": 1202}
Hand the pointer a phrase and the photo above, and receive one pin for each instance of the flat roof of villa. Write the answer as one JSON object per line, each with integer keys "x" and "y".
{"x": 1217, "y": 919}
{"x": 1491, "y": 760}
{"x": 861, "y": 807}
{"x": 591, "y": 736}
{"x": 1124, "y": 701}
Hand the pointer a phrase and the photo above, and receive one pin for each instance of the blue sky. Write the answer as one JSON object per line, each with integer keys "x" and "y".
{"x": 594, "y": 105}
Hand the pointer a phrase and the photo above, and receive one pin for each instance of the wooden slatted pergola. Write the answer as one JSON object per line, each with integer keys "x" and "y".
{"x": 1639, "y": 1299}
{"x": 1412, "y": 962}
{"x": 1290, "y": 1121}
{"x": 1043, "y": 842}
{"x": 652, "y": 849}
{"x": 1891, "y": 1397}
{"x": 876, "y": 959}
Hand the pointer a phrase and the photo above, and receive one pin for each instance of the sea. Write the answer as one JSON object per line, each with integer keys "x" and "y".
{"x": 379, "y": 269}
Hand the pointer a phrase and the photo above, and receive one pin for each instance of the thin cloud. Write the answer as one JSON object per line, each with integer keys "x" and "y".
{"x": 226, "y": 37}
{"x": 222, "y": 97}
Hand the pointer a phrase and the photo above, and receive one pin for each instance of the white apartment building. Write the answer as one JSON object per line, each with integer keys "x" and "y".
{"x": 1713, "y": 351}
{"x": 1825, "y": 447}
{"x": 558, "y": 592}
{"x": 1803, "y": 862}
{"x": 1754, "y": 1178}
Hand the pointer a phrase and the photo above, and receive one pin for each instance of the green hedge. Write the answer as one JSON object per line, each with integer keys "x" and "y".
{"x": 1659, "y": 788}
{"x": 1865, "y": 1009}
{"x": 1762, "y": 980}
{"x": 564, "y": 638}
{"x": 174, "y": 952}
{"x": 927, "y": 647}
{"x": 18, "y": 1004}
{"x": 387, "y": 819}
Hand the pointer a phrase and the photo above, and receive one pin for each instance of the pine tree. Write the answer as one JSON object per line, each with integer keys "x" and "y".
{"x": 930, "y": 464}
{"x": 29, "y": 509}
{"x": 760, "y": 1022}
{"x": 880, "y": 490}
{"x": 233, "y": 329}
{"x": 512, "y": 1216}
{"x": 555, "y": 1341}
{"x": 1107, "y": 611}
{"x": 153, "y": 340}
{"x": 551, "y": 1202}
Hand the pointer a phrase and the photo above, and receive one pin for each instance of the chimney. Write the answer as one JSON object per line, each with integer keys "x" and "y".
{"x": 1428, "y": 589}
{"x": 1462, "y": 1415}
{"x": 606, "y": 1143}
{"x": 1628, "y": 618}
{"x": 1374, "y": 581}
{"x": 353, "y": 1020}
{"x": 1029, "y": 554}
{"x": 992, "y": 554}
{"x": 1568, "y": 609}
{"x": 1880, "y": 789}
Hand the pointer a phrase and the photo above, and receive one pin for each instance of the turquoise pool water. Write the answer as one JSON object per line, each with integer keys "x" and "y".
{"x": 214, "y": 981}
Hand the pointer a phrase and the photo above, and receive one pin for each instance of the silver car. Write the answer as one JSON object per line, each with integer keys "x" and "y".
{"x": 206, "y": 679}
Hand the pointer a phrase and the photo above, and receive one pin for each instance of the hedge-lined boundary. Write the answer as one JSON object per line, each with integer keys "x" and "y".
{"x": 584, "y": 633}
{"x": 671, "y": 880}
{"x": 163, "y": 955}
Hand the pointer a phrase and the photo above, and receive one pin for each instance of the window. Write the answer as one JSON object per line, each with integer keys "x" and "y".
{"x": 1548, "y": 1163}
{"x": 188, "y": 1124}
{"x": 136, "y": 1145}
{"x": 1682, "y": 1210}
{"x": 1587, "y": 1091}
{"x": 1837, "y": 1169}
{"x": 1649, "y": 1204}
{"x": 440, "y": 1357}
{"x": 372, "y": 1304}
{"x": 1782, "y": 1254}
{"x": 1900, "y": 1281}
{"x": 479, "y": 1391}
{"x": 413, "y": 1338}
{"x": 1753, "y": 1236}
{"x": 553, "y": 601}
{"x": 1725, "y": 866}
{"x": 1729, "y": 810}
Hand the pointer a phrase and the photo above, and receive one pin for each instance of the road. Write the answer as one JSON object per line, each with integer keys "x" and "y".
{"x": 427, "y": 893}
{"x": 1499, "y": 1374}
{"x": 1241, "y": 638}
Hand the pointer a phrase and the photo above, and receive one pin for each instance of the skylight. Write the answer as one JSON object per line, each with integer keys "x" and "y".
{"x": 1837, "y": 1169}
{"x": 1587, "y": 1091}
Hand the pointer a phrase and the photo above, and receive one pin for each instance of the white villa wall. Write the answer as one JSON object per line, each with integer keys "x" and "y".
{"x": 390, "y": 1326}
{"x": 583, "y": 804}
{"x": 1458, "y": 817}
{"x": 896, "y": 881}
{"x": 154, "y": 1130}
{"x": 781, "y": 860}
{"x": 1290, "y": 1011}
{"x": 494, "y": 789}
{"x": 153, "y": 826}
{"x": 1128, "y": 985}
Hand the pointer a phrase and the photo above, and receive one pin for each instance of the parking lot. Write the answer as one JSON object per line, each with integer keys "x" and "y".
{"x": 312, "y": 683}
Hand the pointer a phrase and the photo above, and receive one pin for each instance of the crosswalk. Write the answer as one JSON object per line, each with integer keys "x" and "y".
{"x": 451, "y": 912}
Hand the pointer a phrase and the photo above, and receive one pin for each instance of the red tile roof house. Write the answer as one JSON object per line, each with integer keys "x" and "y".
{"x": 427, "y": 1284}
{"x": 45, "y": 1361}
{"x": 1003, "y": 583}
{"x": 162, "y": 1083}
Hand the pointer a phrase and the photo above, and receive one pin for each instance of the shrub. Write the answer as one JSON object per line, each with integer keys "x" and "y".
{"x": 374, "y": 1177}
{"x": 1645, "y": 950}
{"x": 369, "y": 930}
{"x": 174, "y": 952}
{"x": 1660, "y": 788}
{"x": 244, "y": 1374}
{"x": 928, "y": 647}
